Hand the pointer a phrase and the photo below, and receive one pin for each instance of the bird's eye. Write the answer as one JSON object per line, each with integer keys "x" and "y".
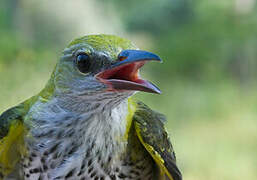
{"x": 83, "y": 62}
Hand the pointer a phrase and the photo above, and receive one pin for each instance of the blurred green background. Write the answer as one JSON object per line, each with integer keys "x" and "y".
{"x": 208, "y": 77}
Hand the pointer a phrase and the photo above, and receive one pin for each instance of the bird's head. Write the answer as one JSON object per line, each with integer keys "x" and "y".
{"x": 102, "y": 65}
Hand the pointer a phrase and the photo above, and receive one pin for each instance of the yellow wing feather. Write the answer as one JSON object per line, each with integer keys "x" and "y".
{"x": 151, "y": 132}
{"x": 12, "y": 147}
{"x": 155, "y": 155}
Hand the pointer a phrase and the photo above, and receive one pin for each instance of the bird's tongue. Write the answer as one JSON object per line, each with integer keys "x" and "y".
{"x": 126, "y": 77}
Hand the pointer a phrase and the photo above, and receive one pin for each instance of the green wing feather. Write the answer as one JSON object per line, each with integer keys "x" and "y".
{"x": 152, "y": 134}
{"x": 12, "y": 131}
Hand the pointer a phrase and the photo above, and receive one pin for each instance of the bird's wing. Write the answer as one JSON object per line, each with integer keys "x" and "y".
{"x": 12, "y": 131}
{"x": 152, "y": 134}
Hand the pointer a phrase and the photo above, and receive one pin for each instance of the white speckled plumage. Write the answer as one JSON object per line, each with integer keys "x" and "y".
{"x": 62, "y": 137}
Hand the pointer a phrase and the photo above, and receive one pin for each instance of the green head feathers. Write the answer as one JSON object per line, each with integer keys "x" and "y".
{"x": 109, "y": 44}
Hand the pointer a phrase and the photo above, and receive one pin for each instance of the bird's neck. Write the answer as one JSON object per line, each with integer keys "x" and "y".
{"x": 104, "y": 129}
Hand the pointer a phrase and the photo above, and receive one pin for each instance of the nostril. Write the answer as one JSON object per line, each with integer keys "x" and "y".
{"x": 124, "y": 53}
{"x": 121, "y": 58}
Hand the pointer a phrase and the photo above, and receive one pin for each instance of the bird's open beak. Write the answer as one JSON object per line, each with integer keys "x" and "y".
{"x": 123, "y": 75}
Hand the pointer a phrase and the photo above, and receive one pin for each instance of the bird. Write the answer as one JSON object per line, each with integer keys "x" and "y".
{"x": 85, "y": 124}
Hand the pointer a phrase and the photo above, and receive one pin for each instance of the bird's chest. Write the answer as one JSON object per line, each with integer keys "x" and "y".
{"x": 83, "y": 147}
{"x": 86, "y": 164}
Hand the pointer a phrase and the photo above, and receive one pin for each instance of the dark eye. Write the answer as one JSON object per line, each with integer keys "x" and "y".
{"x": 83, "y": 62}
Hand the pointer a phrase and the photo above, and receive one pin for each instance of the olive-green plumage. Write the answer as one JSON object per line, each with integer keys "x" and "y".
{"x": 84, "y": 125}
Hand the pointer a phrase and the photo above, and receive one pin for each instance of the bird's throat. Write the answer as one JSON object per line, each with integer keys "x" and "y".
{"x": 104, "y": 132}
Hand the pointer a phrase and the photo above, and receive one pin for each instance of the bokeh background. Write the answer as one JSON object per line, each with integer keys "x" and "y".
{"x": 208, "y": 77}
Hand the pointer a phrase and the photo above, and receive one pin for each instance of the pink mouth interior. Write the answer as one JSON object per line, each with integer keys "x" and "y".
{"x": 126, "y": 77}
{"x": 128, "y": 72}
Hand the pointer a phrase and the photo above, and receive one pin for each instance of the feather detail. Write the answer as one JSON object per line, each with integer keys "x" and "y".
{"x": 150, "y": 130}
{"x": 129, "y": 118}
{"x": 12, "y": 147}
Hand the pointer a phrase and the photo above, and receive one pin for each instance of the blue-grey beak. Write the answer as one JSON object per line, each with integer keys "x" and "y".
{"x": 132, "y": 56}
